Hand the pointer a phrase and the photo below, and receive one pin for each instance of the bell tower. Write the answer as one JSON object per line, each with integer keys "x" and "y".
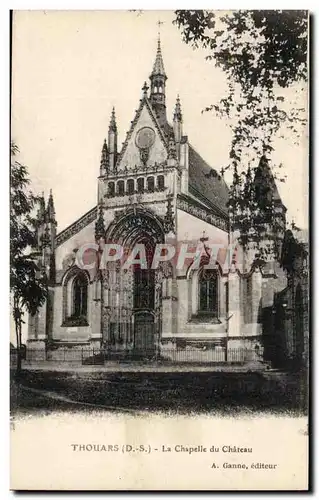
{"x": 158, "y": 81}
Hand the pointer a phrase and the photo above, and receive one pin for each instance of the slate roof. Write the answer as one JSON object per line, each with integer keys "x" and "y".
{"x": 206, "y": 184}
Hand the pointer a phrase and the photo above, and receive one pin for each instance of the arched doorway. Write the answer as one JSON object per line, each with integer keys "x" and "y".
{"x": 131, "y": 309}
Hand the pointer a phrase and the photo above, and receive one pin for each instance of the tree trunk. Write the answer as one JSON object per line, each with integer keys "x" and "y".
{"x": 17, "y": 321}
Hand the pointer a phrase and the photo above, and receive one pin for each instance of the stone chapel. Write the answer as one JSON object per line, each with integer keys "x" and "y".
{"x": 155, "y": 189}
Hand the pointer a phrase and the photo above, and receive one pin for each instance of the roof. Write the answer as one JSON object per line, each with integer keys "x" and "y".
{"x": 76, "y": 226}
{"x": 206, "y": 183}
{"x": 265, "y": 177}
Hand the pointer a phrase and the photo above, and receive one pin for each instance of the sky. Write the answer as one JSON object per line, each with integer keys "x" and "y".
{"x": 71, "y": 67}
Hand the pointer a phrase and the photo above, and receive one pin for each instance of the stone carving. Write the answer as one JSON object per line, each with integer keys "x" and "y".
{"x": 169, "y": 223}
{"x": 202, "y": 213}
{"x": 76, "y": 227}
{"x": 172, "y": 153}
{"x": 99, "y": 225}
{"x": 144, "y": 155}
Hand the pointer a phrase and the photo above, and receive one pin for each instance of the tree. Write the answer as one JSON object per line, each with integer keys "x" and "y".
{"x": 261, "y": 53}
{"x": 27, "y": 283}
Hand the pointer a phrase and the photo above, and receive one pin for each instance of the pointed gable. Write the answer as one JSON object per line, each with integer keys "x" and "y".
{"x": 130, "y": 153}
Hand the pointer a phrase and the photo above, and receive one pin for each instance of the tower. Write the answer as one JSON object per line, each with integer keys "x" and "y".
{"x": 158, "y": 81}
{"x": 270, "y": 206}
{"x": 40, "y": 324}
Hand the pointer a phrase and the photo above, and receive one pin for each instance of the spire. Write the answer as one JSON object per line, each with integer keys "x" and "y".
{"x": 158, "y": 68}
{"x": 178, "y": 110}
{"x": 158, "y": 81}
{"x": 112, "y": 126}
{"x": 104, "y": 159}
{"x": 50, "y": 208}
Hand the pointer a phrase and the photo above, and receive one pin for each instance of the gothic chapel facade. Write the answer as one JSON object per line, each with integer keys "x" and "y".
{"x": 155, "y": 189}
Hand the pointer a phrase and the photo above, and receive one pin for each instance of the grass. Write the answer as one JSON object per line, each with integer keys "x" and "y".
{"x": 201, "y": 392}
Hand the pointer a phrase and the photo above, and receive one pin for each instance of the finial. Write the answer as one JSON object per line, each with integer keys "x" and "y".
{"x": 145, "y": 88}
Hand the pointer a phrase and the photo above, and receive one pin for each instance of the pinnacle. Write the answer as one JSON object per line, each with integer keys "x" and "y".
{"x": 158, "y": 68}
{"x": 178, "y": 109}
{"x": 104, "y": 154}
{"x": 145, "y": 89}
{"x": 50, "y": 207}
{"x": 113, "y": 126}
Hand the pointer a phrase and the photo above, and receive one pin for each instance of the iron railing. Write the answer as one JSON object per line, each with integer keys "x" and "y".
{"x": 89, "y": 355}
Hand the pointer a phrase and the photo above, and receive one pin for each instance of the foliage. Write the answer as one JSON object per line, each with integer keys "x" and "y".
{"x": 27, "y": 283}
{"x": 261, "y": 53}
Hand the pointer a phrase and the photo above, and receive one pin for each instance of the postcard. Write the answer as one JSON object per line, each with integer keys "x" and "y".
{"x": 159, "y": 250}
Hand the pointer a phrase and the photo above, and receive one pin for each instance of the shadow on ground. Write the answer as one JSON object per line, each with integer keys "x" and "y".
{"x": 39, "y": 391}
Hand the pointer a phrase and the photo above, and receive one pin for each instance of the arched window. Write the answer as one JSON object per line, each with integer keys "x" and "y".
{"x": 150, "y": 184}
{"x": 75, "y": 298}
{"x": 160, "y": 183}
{"x": 140, "y": 185}
{"x": 155, "y": 90}
{"x": 111, "y": 189}
{"x": 120, "y": 188}
{"x": 79, "y": 297}
{"x": 130, "y": 186}
{"x": 160, "y": 90}
{"x": 208, "y": 292}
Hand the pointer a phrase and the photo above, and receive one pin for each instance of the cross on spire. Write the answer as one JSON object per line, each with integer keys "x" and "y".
{"x": 159, "y": 24}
